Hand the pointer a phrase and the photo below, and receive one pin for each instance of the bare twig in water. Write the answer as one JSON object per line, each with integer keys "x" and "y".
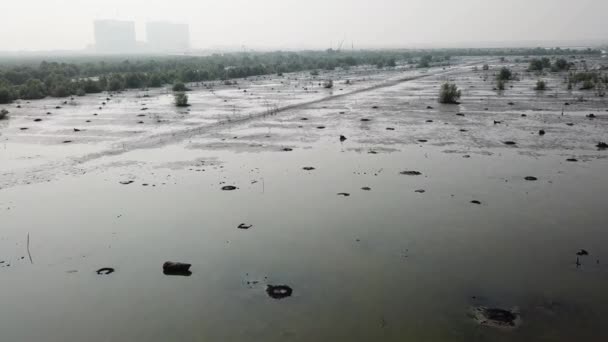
{"x": 28, "y": 248}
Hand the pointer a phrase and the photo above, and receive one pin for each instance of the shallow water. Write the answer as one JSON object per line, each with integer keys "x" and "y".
{"x": 387, "y": 264}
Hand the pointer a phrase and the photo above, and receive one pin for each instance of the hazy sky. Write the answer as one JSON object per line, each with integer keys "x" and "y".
{"x": 67, "y": 24}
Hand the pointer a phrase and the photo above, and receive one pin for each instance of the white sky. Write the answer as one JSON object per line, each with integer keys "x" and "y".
{"x": 67, "y": 24}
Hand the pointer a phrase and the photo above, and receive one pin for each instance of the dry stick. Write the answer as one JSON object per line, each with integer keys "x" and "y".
{"x": 28, "y": 248}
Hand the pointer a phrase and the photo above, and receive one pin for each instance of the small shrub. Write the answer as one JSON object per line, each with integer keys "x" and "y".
{"x": 584, "y": 76}
{"x": 601, "y": 90}
{"x": 588, "y": 85}
{"x": 180, "y": 87}
{"x": 505, "y": 74}
{"x": 181, "y": 99}
{"x": 540, "y": 85}
{"x": 449, "y": 93}
{"x": 535, "y": 65}
{"x": 6, "y": 95}
{"x": 3, "y": 114}
{"x": 500, "y": 85}
{"x": 155, "y": 81}
{"x": 92, "y": 87}
{"x": 116, "y": 82}
{"x": 425, "y": 62}
{"x": 60, "y": 91}
{"x": 560, "y": 65}
{"x": 34, "y": 89}
{"x": 539, "y": 64}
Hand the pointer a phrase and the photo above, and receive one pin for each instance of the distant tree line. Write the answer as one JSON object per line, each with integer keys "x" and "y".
{"x": 544, "y": 63}
{"x": 30, "y": 78}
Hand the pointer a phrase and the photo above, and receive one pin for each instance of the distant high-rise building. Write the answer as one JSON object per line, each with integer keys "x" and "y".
{"x": 168, "y": 37}
{"x": 112, "y": 36}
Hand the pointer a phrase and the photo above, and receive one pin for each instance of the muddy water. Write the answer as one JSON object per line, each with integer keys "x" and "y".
{"x": 388, "y": 263}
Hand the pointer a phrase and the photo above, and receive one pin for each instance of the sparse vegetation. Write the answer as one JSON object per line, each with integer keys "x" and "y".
{"x": 539, "y": 64}
{"x": 588, "y": 80}
{"x": 588, "y": 85}
{"x": 500, "y": 85}
{"x": 560, "y": 65}
{"x": 115, "y": 82}
{"x": 505, "y": 74}
{"x": 6, "y": 94}
{"x": 181, "y": 99}
{"x": 601, "y": 89}
{"x": 542, "y": 64}
{"x": 540, "y": 85}
{"x": 33, "y": 78}
{"x": 449, "y": 93}
{"x": 425, "y": 61}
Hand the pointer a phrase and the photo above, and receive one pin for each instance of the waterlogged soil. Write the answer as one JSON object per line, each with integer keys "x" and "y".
{"x": 405, "y": 256}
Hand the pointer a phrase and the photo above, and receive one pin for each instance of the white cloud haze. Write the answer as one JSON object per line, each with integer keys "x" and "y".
{"x": 67, "y": 24}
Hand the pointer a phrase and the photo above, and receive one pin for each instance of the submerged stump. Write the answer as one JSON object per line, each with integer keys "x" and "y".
{"x": 496, "y": 318}
{"x": 279, "y": 291}
{"x": 177, "y": 268}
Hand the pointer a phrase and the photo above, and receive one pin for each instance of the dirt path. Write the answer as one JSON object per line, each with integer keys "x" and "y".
{"x": 157, "y": 140}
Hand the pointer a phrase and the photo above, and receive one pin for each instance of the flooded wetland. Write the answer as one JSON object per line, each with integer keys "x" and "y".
{"x": 274, "y": 208}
